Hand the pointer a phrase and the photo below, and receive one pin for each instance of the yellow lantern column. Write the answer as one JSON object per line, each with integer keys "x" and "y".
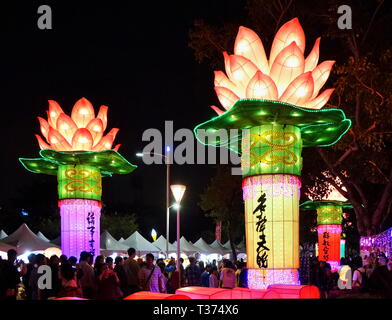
{"x": 271, "y": 163}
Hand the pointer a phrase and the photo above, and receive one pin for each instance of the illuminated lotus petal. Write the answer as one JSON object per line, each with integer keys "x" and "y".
{"x": 289, "y": 32}
{"x": 106, "y": 142}
{"x": 66, "y": 126}
{"x": 320, "y": 101}
{"x": 103, "y": 115}
{"x": 313, "y": 57}
{"x": 299, "y": 91}
{"x": 320, "y": 75}
{"x": 217, "y": 110}
{"x": 82, "y": 113}
{"x": 44, "y": 126}
{"x": 262, "y": 86}
{"x": 288, "y": 65}
{"x": 57, "y": 141}
{"x": 249, "y": 45}
{"x": 222, "y": 81}
{"x": 242, "y": 71}
{"x": 226, "y": 97}
{"x": 82, "y": 140}
{"x": 95, "y": 127}
{"x": 42, "y": 144}
{"x": 117, "y": 147}
{"x": 53, "y": 113}
{"x": 226, "y": 58}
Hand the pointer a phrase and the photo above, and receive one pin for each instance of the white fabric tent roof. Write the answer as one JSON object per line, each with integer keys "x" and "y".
{"x": 57, "y": 241}
{"x": 3, "y": 234}
{"x": 5, "y": 247}
{"x": 205, "y": 248}
{"x": 42, "y": 236}
{"x": 186, "y": 247}
{"x": 217, "y": 245}
{"x": 108, "y": 243}
{"x": 137, "y": 241}
{"x": 25, "y": 240}
{"x": 160, "y": 243}
{"x": 121, "y": 240}
{"x": 241, "y": 247}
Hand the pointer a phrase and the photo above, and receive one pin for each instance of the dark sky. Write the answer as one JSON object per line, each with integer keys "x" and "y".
{"x": 131, "y": 57}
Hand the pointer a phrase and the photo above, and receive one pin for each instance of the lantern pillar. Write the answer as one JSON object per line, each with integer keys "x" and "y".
{"x": 271, "y": 165}
{"x": 80, "y": 190}
{"x": 329, "y": 229}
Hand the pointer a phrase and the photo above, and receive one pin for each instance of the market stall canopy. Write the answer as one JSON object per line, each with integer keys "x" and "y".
{"x": 205, "y": 248}
{"x": 141, "y": 245}
{"x": 57, "y": 241}
{"x": 25, "y": 240}
{"x": 160, "y": 243}
{"x": 108, "y": 243}
{"x": 241, "y": 247}
{"x": 121, "y": 240}
{"x": 218, "y": 246}
{"x": 186, "y": 247}
{"x": 42, "y": 236}
{"x": 5, "y": 247}
{"x": 3, "y": 234}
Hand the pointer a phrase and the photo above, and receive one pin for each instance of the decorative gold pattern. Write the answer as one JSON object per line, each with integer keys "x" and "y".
{"x": 78, "y": 181}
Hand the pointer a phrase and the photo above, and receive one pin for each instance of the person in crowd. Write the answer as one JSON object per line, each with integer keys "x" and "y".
{"x": 227, "y": 276}
{"x": 36, "y": 292}
{"x": 201, "y": 265}
{"x": 69, "y": 283}
{"x": 72, "y": 261}
{"x": 171, "y": 266}
{"x": 26, "y": 277}
{"x": 205, "y": 277}
{"x": 120, "y": 271}
{"x": 150, "y": 276}
{"x": 214, "y": 276}
{"x": 182, "y": 271}
{"x": 108, "y": 284}
{"x": 54, "y": 262}
{"x": 380, "y": 281}
{"x": 132, "y": 269}
{"x": 99, "y": 260}
{"x": 63, "y": 259}
{"x": 192, "y": 273}
{"x": 87, "y": 280}
{"x": 161, "y": 265}
{"x": 109, "y": 262}
{"x": 10, "y": 275}
{"x": 360, "y": 279}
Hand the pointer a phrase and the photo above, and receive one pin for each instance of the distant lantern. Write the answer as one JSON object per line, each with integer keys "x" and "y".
{"x": 76, "y": 150}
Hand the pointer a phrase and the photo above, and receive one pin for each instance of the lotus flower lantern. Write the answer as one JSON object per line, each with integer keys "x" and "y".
{"x": 280, "y": 103}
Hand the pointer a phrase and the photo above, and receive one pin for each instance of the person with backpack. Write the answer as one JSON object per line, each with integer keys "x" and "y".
{"x": 150, "y": 276}
{"x": 360, "y": 278}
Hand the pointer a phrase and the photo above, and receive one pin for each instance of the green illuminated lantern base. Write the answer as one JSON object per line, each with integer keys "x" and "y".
{"x": 328, "y": 212}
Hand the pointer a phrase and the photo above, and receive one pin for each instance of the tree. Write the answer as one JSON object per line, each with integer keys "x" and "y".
{"x": 222, "y": 201}
{"x": 119, "y": 224}
{"x": 362, "y": 76}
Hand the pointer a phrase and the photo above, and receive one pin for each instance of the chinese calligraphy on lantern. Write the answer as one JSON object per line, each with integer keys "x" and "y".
{"x": 326, "y": 246}
{"x": 91, "y": 229}
{"x": 262, "y": 249}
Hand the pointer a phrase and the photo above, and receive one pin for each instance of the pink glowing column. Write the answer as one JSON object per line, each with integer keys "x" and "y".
{"x": 80, "y": 226}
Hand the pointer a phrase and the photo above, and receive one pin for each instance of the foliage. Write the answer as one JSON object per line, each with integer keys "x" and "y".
{"x": 119, "y": 224}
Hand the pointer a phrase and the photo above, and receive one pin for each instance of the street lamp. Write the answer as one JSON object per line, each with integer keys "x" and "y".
{"x": 167, "y": 162}
{"x": 178, "y": 191}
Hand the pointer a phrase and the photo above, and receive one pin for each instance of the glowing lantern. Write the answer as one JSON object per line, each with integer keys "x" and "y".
{"x": 329, "y": 220}
{"x": 78, "y": 153}
{"x": 154, "y": 234}
{"x": 277, "y": 102}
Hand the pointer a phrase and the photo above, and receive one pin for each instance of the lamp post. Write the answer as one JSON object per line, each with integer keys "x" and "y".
{"x": 178, "y": 191}
{"x": 167, "y": 162}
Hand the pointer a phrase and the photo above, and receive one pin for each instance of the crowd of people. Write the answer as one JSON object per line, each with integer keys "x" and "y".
{"x": 371, "y": 276}
{"x": 108, "y": 279}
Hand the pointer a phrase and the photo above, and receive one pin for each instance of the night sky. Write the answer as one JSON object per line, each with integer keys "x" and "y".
{"x": 131, "y": 57}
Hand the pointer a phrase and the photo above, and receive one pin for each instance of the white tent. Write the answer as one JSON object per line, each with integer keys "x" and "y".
{"x": 241, "y": 247}
{"x": 3, "y": 234}
{"x": 186, "y": 247}
{"x": 205, "y": 248}
{"x": 227, "y": 245}
{"x": 218, "y": 246}
{"x": 121, "y": 240}
{"x": 25, "y": 240}
{"x": 42, "y": 236}
{"x": 160, "y": 243}
{"x": 141, "y": 245}
{"x": 57, "y": 241}
{"x": 109, "y": 244}
{"x": 5, "y": 247}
